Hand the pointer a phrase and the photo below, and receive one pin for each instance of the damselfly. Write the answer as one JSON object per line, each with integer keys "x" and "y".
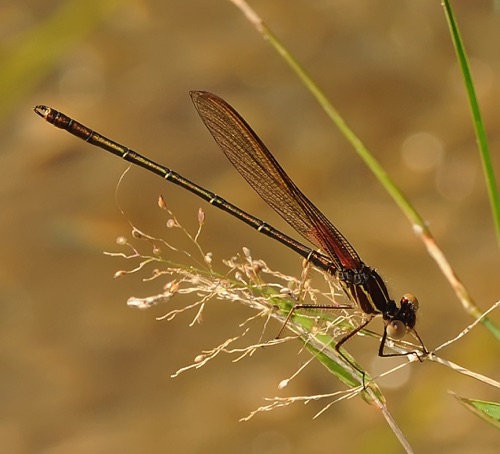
{"x": 362, "y": 284}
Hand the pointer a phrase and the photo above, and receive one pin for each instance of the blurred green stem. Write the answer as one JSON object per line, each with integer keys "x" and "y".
{"x": 34, "y": 55}
{"x": 419, "y": 225}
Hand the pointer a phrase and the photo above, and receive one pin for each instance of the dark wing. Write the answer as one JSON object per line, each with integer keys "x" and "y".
{"x": 260, "y": 169}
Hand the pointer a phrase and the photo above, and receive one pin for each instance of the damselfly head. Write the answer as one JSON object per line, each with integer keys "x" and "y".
{"x": 410, "y": 299}
{"x": 405, "y": 318}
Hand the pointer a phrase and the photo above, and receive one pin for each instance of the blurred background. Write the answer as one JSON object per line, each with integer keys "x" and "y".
{"x": 81, "y": 371}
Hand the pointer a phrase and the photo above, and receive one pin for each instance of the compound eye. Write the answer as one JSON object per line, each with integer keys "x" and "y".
{"x": 396, "y": 329}
{"x": 410, "y": 298}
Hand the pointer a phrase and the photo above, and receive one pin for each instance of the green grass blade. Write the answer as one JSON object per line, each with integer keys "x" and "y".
{"x": 489, "y": 174}
{"x": 489, "y": 411}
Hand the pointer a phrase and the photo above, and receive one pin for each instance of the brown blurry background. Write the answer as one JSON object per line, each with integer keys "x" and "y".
{"x": 82, "y": 372}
